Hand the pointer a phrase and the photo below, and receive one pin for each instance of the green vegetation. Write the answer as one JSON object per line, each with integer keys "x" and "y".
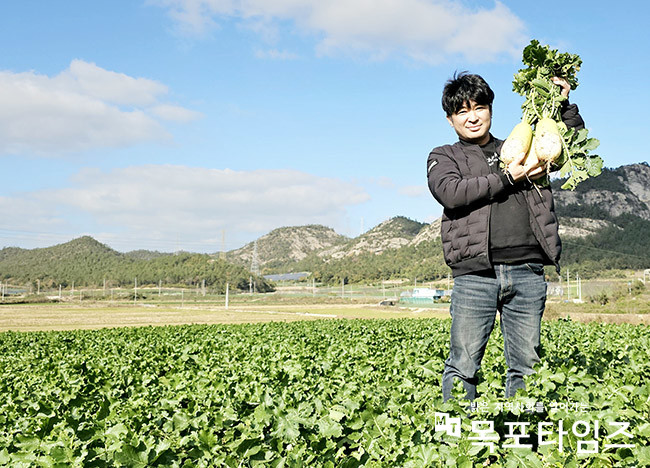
{"x": 621, "y": 299}
{"x": 625, "y": 245}
{"x": 314, "y": 394}
{"x": 423, "y": 261}
{"x": 607, "y": 180}
{"x": 399, "y": 226}
{"x": 86, "y": 262}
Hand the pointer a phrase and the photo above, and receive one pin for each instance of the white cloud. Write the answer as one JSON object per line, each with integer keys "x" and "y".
{"x": 83, "y": 107}
{"x": 93, "y": 81}
{"x": 28, "y": 222}
{"x": 153, "y": 203}
{"x": 175, "y": 113}
{"x": 28, "y": 214}
{"x": 423, "y": 30}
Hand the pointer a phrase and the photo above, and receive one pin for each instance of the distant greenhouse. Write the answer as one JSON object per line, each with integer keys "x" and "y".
{"x": 287, "y": 276}
{"x": 423, "y": 296}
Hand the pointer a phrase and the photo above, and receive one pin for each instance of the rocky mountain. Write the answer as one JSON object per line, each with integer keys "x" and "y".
{"x": 592, "y": 216}
{"x": 581, "y": 227}
{"x": 428, "y": 233}
{"x": 391, "y": 234}
{"x": 287, "y": 244}
{"x": 624, "y": 190}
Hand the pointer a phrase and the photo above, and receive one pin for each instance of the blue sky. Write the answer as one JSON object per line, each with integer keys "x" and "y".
{"x": 203, "y": 124}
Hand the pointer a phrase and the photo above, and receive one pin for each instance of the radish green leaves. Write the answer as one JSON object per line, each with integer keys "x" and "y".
{"x": 543, "y": 99}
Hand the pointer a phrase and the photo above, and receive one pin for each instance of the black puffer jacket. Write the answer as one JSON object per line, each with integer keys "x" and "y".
{"x": 460, "y": 179}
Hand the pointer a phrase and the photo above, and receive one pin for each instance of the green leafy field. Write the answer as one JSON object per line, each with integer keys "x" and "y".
{"x": 322, "y": 393}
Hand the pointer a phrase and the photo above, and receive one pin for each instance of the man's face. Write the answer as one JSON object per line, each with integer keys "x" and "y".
{"x": 472, "y": 123}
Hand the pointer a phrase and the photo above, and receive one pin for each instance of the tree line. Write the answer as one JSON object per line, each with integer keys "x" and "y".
{"x": 86, "y": 262}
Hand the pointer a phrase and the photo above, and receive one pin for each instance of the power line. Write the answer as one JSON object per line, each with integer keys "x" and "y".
{"x": 605, "y": 250}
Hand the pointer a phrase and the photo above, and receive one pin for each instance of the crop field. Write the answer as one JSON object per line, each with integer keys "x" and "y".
{"x": 319, "y": 393}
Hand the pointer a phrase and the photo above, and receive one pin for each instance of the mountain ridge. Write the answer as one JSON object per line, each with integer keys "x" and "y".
{"x": 619, "y": 191}
{"x": 609, "y": 213}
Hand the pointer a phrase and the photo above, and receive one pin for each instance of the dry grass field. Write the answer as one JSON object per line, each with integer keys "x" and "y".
{"x": 92, "y": 309}
{"x": 30, "y": 317}
{"x": 62, "y": 316}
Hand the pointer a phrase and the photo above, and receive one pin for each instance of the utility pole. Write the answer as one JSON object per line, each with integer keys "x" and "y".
{"x": 135, "y": 291}
{"x": 580, "y": 286}
{"x": 255, "y": 267}
{"x": 227, "y": 290}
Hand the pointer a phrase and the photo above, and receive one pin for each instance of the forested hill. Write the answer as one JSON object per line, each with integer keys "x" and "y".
{"x": 604, "y": 224}
{"x": 87, "y": 262}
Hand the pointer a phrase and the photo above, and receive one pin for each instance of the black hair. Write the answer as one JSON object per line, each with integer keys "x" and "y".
{"x": 464, "y": 88}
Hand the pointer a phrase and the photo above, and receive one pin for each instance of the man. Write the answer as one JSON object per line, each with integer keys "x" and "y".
{"x": 498, "y": 231}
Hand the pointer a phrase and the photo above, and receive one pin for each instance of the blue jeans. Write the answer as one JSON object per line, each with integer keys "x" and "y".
{"x": 518, "y": 292}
